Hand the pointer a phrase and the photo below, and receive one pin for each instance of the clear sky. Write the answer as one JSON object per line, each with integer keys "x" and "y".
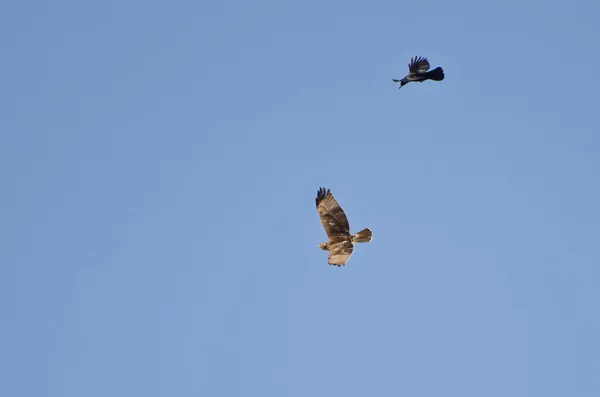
{"x": 159, "y": 164}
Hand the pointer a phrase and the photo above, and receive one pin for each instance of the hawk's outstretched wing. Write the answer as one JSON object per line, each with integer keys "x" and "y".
{"x": 339, "y": 251}
{"x": 418, "y": 65}
{"x": 332, "y": 215}
{"x": 339, "y": 259}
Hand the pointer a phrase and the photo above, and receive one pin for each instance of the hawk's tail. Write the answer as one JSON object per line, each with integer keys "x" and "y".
{"x": 364, "y": 236}
{"x": 436, "y": 74}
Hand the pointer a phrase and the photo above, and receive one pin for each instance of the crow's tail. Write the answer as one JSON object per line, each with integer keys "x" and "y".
{"x": 364, "y": 236}
{"x": 436, "y": 74}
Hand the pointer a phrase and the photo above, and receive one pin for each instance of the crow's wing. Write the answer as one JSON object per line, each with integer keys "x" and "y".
{"x": 418, "y": 65}
{"x": 332, "y": 215}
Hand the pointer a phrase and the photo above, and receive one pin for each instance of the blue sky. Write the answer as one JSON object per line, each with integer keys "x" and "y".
{"x": 159, "y": 164}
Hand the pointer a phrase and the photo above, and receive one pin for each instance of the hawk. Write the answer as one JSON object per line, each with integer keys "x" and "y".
{"x": 341, "y": 243}
{"x": 418, "y": 71}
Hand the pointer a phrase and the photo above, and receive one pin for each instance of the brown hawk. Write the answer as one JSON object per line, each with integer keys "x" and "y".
{"x": 341, "y": 243}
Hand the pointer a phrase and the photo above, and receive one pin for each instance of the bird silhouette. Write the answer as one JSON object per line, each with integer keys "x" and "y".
{"x": 418, "y": 71}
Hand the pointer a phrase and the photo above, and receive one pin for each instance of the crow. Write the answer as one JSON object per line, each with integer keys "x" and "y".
{"x": 418, "y": 71}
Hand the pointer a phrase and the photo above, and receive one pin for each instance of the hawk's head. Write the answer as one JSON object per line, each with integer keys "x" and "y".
{"x": 323, "y": 246}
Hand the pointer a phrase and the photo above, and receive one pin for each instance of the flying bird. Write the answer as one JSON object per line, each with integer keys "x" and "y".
{"x": 418, "y": 71}
{"x": 341, "y": 243}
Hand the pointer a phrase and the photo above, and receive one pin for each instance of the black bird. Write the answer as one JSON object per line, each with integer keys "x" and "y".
{"x": 418, "y": 71}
